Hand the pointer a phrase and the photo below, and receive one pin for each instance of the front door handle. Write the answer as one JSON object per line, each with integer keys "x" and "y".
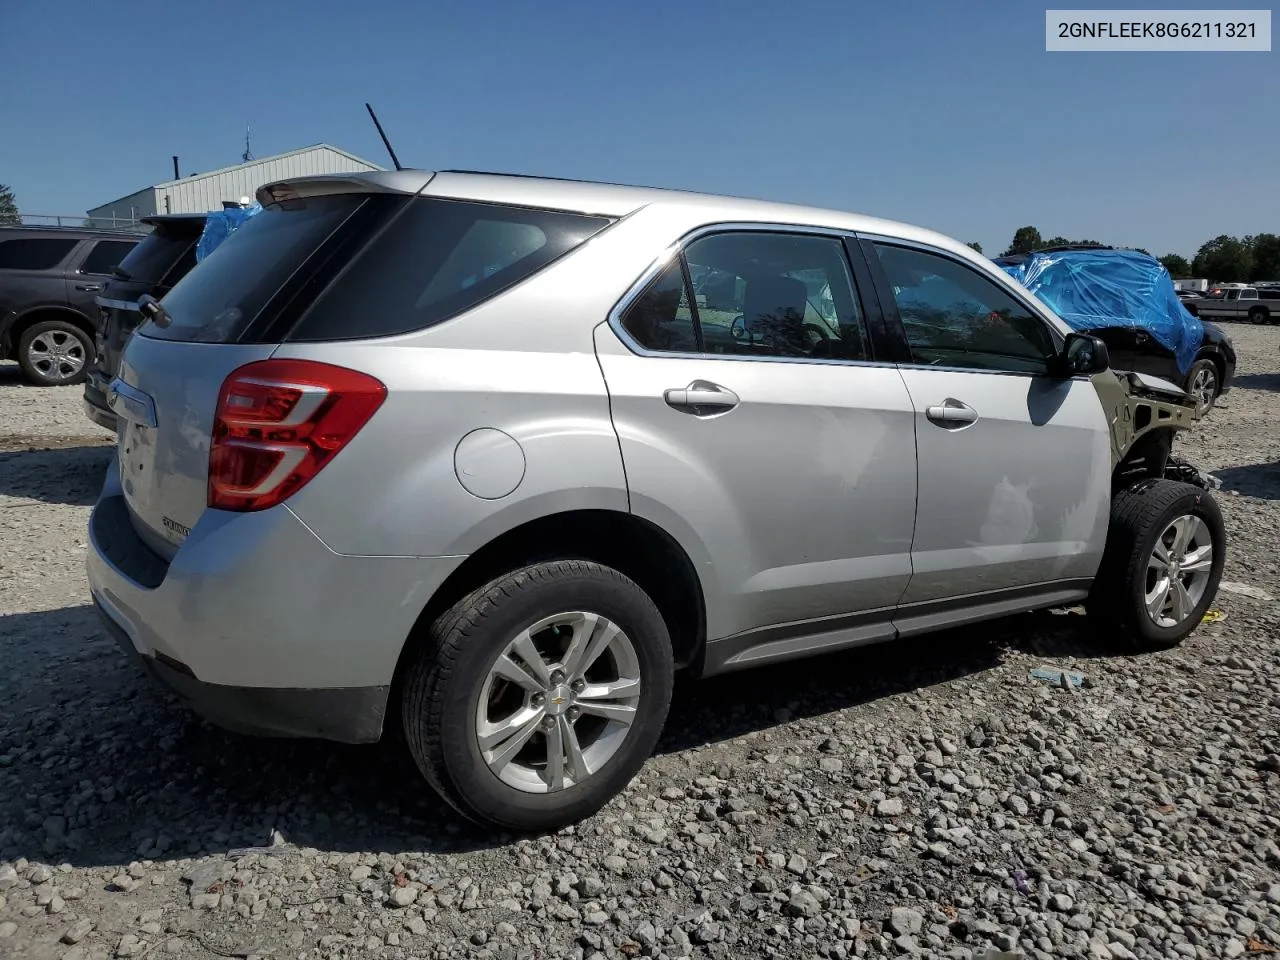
{"x": 701, "y": 398}
{"x": 952, "y": 414}
{"x": 89, "y": 287}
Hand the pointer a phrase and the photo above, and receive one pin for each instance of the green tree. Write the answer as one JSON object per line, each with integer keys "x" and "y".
{"x": 1178, "y": 266}
{"x": 975, "y": 245}
{"x": 1266, "y": 257}
{"x": 1224, "y": 259}
{"x": 1025, "y": 240}
{"x": 9, "y": 207}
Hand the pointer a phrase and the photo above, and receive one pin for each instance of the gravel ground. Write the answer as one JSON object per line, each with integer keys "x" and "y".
{"x": 927, "y": 797}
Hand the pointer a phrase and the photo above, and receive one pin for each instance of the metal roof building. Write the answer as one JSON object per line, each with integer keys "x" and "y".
{"x": 200, "y": 192}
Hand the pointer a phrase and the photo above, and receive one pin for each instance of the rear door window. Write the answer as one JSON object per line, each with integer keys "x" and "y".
{"x": 35, "y": 253}
{"x": 438, "y": 259}
{"x": 105, "y": 255}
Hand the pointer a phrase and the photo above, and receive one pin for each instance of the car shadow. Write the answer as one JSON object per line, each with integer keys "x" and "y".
{"x": 1261, "y": 480}
{"x": 1257, "y": 381}
{"x": 53, "y": 469}
{"x": 127, "y": 772}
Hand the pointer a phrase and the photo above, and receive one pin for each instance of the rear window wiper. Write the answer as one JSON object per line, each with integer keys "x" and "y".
{"x": 150, "y": 308}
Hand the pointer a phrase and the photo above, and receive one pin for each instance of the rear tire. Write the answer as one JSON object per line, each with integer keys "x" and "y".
{"x": 55, "y": 353}
{"x": 475, "y": 680}
{"x": 1147, "y": 521}
{"x": 1259, "y": 315}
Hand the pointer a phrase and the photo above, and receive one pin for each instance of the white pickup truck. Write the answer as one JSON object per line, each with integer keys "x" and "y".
{"x": 1255, "y": 304}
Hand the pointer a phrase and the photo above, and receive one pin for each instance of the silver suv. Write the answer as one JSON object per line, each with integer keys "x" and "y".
{"x": 491, "y": 457}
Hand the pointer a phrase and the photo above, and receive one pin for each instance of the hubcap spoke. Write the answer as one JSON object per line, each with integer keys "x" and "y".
{"x": 533, "y": 660}
{"x": 555, "y": 756}
{"x": 1161, "y": 552}
{"x": 591, "y": 636}
{"x": 610, "y": 711}
{"x": 613, "y": 690}
{"x": 1181, "y": 602}
{"x": 511, "y": 735}
{"x": 508, "y": 669}
{"x": 573, "y": 751}
{"x": 1183, "y": 529}
{"x": 1199, "y": 559}
{"x": 1157, "y": 597}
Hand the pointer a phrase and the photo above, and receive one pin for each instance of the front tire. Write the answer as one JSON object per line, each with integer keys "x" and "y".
{"x": 1202, "y": 384}
{"x": 537, "y": 698}
{"x": 1162, "y": 564}
{"x": 55, "y": 353}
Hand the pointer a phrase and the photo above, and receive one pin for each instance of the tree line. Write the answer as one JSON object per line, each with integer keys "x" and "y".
{"x": 1224, "y": 259}
{"x": 8, "y": 208}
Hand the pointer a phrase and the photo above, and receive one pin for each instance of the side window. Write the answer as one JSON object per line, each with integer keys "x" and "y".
{"x": 776, "y": 295}
{"x": 955, "y": 317}
{"x": 36, "y": 253}
{"x": 661, "y": 319}
{"x": 105, "y": 255}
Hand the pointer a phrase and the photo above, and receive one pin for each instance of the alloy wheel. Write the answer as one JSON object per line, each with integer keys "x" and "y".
{"x": 1204, "y": 388}
{"x": 1178, "y": 570}
{"x": 56, "y": 354}
{"x": 558, "y": 702}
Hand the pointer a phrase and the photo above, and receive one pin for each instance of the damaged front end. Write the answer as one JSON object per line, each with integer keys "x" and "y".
{"x": 1144, "y": 414}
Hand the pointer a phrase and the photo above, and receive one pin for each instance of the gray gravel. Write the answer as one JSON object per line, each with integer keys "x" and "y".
{"x": 926, "y": 798}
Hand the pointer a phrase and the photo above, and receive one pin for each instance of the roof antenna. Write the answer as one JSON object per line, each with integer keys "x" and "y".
{"x": 248, "y": 154}
{"x": 385, "y": 142}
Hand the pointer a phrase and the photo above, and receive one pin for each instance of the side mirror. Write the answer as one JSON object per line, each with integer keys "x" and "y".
{"x": 1083, "y": 355}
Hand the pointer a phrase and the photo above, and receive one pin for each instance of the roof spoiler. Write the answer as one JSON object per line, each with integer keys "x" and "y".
{"x": 383, "y": 181}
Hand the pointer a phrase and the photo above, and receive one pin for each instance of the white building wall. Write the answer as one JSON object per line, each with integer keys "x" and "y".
{"x": 207, "y": 192}
{"x": 140, "y": 204}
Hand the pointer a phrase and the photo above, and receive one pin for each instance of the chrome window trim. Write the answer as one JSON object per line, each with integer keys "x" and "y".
{"x": 651, "y": 273}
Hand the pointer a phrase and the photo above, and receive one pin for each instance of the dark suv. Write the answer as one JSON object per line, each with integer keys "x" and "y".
{"x": 162, "y": 259}
{"x": 49, "y": 277}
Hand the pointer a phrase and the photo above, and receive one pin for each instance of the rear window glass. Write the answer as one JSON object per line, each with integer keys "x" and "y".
{"x": 438, "y": 259}
{"x": 156, "y": 255}
{"x": 217, "y": 302}
{"x": 36, "y": 253}
{"x": 105, "y": 255}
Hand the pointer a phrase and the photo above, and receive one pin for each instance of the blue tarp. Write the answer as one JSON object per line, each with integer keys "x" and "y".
{"x": 220, "y": 225}
{"x": 1090, "y": 289}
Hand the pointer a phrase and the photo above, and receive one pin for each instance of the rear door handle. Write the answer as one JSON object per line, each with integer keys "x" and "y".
{"x": 89, "y": 287}
{"x": 952, "y": 414}
{"x": 701, "y": 398}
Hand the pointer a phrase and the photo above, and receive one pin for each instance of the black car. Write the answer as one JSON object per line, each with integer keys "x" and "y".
{"x": 1133, "y": 348}
{"x": 162, "y": 259}
{"x": 49, "y": 277}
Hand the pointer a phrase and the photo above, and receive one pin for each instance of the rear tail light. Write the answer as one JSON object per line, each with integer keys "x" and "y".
{"x": 278, "y": 423}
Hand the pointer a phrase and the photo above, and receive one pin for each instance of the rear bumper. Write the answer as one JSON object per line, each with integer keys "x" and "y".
{"x": 95, "y": 400}
{"x": 257, "y": 623}
{"x": 347, "y": 715}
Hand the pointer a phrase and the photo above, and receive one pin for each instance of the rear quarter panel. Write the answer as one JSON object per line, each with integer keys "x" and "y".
{"x": 522, "y": 363}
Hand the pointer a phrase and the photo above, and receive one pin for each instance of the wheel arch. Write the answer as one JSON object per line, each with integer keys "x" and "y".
{"x": 25, "y": 321}
{"x": 635, "y": 547}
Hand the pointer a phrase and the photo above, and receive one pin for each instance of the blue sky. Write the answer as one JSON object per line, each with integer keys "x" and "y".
{"x": 948, "y": 114}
